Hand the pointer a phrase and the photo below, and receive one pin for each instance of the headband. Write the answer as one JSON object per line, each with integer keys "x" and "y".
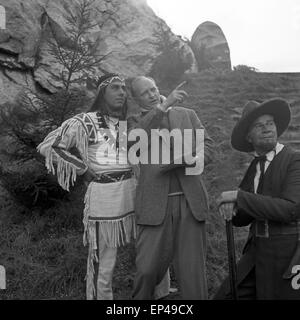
{"x": 108, "y": 81}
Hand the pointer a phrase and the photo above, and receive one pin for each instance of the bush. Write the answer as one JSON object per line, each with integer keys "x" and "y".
{"x": 244, "y": 68}
{"x": 169, "y": 66}
{"x": 25, "y": 124}
{"x": 32, "y": 188}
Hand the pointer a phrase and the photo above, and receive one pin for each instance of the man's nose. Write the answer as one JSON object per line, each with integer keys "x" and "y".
{"x": 267, "y": 128}
{"x": 122, "y": 92}
{"x": 151, "y": 94}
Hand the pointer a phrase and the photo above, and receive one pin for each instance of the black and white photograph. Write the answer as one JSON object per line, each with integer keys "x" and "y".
{"x": 150, "y": 150}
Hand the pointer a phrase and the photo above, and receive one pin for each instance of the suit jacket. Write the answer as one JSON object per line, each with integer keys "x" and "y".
{"x": 281, "y": 191}
{"x": 276, "y": 203}
{"x": 154, "y": 179}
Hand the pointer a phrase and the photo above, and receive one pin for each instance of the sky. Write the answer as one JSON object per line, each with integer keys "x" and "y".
{"x": 264, "y": 34}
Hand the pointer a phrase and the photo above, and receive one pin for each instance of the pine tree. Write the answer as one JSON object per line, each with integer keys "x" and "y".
{"x": 25, "y": 123}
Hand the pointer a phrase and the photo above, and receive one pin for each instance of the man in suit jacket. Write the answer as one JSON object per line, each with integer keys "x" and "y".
{"x": 171, "y": 206}
{"x": 270, "y": 265}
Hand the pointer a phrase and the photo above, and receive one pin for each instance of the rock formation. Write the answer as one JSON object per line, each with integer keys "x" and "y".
{"x": 127, "y": 30}
{"x": 210, "y": 47}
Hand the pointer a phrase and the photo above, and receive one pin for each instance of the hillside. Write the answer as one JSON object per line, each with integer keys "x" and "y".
{"x": 43, "y": 251}
{"x": 219, "y": 99}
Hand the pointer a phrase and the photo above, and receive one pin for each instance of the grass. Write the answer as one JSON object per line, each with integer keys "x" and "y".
{"x": 42, "y": 250}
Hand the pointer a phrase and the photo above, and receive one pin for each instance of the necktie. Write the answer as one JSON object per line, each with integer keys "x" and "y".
{"x": 261, "y": 160}
{"x": 261, "y": 226}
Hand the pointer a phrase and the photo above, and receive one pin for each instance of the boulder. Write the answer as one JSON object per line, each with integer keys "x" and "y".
{"x": 210, "y": 47}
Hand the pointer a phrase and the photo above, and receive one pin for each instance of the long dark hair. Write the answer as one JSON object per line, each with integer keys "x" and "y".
{"x": 99, "y": 103}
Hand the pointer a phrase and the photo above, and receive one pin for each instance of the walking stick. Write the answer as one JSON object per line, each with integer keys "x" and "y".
{"x": 231, "y": 259}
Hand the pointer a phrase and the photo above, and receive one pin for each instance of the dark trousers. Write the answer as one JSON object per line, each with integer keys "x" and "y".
{"x": 180, "y": 238}
{"x": 261, "y": 270}
{"x": 246, "y": 288}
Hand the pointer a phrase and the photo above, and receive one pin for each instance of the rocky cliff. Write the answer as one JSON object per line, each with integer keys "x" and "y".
{"x": 127, "y": 30}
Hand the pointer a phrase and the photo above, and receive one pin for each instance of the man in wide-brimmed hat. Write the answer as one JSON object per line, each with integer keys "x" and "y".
{"x": 265, "y": 200}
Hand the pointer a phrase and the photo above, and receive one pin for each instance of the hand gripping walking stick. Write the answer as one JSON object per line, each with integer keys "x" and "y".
{"x": 231, "y": 259}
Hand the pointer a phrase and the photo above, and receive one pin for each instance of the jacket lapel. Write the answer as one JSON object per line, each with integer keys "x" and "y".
{"x": 272, "y": 176}
{"x": 175, "y": 121}
{"x": 247, "y": 183}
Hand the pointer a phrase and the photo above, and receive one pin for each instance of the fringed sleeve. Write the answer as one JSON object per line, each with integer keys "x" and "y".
{"x": 55, "y": 148}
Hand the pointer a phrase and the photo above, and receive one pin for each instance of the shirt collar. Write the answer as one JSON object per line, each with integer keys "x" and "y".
{"x": 113, "y": 120}
{"x": 271, "y": 154}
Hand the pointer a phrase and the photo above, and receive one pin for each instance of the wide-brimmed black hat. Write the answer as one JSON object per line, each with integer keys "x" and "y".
{"x": 277, "y": 107}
